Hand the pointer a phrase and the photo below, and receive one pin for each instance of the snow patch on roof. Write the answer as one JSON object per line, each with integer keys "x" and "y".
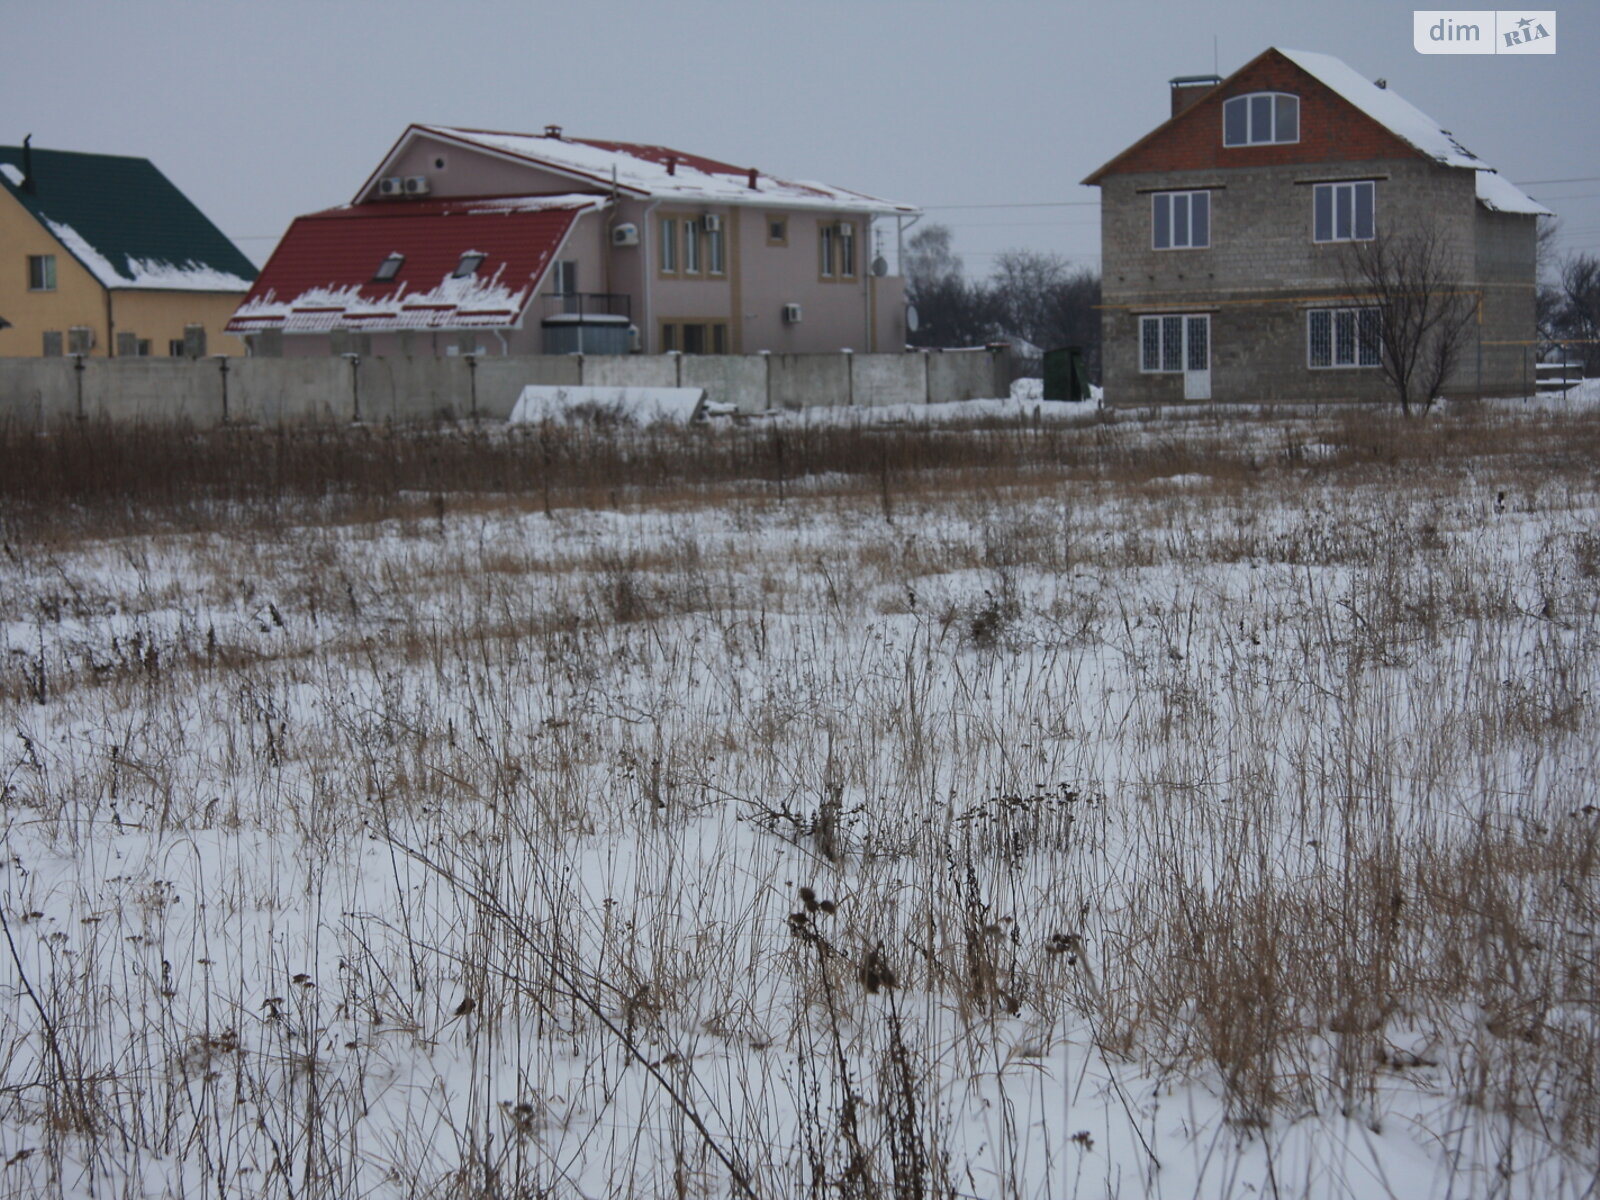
{"x": 1499, "y": 194}
{"x": 451, "y": 304}
{"x": 1405, "y": 120}
{"x": 146, "y": 273}
{"x": 14, "y": 173}
{"x": 1396, "y": 114}
{"x": 633, "y": 171}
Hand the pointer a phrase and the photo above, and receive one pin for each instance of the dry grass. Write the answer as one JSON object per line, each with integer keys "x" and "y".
{"x": 456, "y": 813}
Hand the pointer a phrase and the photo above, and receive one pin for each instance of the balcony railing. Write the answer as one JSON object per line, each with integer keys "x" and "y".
{"x": 587, "y": 304}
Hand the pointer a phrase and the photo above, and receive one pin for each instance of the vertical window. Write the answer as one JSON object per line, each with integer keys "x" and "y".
{"x": 719, "y": 338}
{"x": 41, "y": 272}
{"x": 847, "y": 249}
{"x": 825, "y": 236}
{"x": 194, "y": 341}
{"x": 566, "y": 277}
{"x": 1344, "y": 212}
{"x": 80, "y": 339}
{"x": 52, "y": 343}
{"x": 1181, "y": 220}
{"x": 1343, "y": 337}
{"x": 691, "y": 247}
{"x": 777, "y": 231}
{"x": 694, "y": 339}
{"x": 669, "y": 246}
{"x": 1261, "y": 118}
{"x": 714, "y": 251}
{"x": 1172, "y": 343}
{"x": 1149, "y": 344}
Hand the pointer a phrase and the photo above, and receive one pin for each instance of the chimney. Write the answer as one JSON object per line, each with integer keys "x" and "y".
{"x": 753, "y": 174}
{"x": 1189, "y": 90}
{"x": 672, "y": 164}
{"x": 553, "y": 131}
{"x": 27, "y": 163}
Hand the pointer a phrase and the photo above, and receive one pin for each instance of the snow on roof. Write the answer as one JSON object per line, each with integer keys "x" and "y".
{"x": 664, "y": 172}
{"x": 1499, "y": 194}
{"x": 322, "y": 276}
{"x": 146, "y": 273}
{"x": 1405, "y": 120}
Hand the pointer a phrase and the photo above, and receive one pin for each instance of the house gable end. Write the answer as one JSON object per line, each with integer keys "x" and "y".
{"x": 470, "y": 169}
{"x": 1332, "y": 129}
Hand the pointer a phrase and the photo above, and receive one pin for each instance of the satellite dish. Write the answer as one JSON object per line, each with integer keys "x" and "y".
{"x": 911, "y": 318}
{"x": 880, "y": 266}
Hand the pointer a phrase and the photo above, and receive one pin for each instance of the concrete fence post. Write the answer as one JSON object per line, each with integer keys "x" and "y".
{"x": 77, "y": 369}
{"x": 222, "y": 371}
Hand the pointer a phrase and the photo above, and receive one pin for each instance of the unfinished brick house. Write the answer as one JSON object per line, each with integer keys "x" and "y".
{"x": 1226, "y": 233}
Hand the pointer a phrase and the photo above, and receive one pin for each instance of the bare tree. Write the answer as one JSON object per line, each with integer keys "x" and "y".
{"x": 1042, "y": 297}
{"x": 951, "y": 310}
{"x": 1576, "y": 315}
{"x": 1412, "y": 280}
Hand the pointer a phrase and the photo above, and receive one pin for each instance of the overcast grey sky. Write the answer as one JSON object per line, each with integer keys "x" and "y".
{"x": 263, "y": 110}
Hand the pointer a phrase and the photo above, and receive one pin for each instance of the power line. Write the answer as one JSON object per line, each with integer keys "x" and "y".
{"x": 1579, "y": 179}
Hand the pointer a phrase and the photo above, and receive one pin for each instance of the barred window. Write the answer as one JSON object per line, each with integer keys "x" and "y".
{"x": 1343, "y": 337}
{"x": 1161, "y": 345}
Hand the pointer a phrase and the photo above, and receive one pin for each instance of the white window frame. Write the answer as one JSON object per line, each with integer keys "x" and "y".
{"x": 847, "y": 250}
{"x": 41, "y": 272}
{"x": 669, "y": 245}
{"x": 1172, "y": 202}
{"x": 716, "y": 253}
{"x": 1170, "y": 353}
{"x": 1280, "y": 105}
{"x": 1350, "y": 217}
{"x": 825, "y": 240}
{"x": 1365, "y": 350}
{"x": 691, "y": 246}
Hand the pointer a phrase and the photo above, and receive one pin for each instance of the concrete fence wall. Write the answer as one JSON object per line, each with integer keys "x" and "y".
{"x": 273, "y": 390}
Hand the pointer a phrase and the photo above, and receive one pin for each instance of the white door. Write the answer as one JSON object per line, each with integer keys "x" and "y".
{"x": 1197, "y": 358}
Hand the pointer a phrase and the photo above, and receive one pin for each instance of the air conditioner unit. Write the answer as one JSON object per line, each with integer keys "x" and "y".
{"x": 417, "y": 185}
{"x": 791, "y": 314}
{"x": 391, "y": 185}
{"x": 625, "y": 235}
{"x": 713, "y": 223}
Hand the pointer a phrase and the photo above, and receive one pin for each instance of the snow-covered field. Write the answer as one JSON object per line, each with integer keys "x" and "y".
{"x": 1208, "y": 809}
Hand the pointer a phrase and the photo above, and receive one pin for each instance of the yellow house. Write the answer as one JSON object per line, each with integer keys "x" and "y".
{"x": 101, "y": 255}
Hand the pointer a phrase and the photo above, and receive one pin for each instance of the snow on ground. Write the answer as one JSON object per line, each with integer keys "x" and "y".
{"x": 1061, "y": 839}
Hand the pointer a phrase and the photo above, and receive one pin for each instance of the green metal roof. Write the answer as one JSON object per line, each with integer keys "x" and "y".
{"x": 125, "y": 221}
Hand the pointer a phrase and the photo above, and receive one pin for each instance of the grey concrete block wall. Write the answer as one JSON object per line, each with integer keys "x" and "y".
{"x": 497, "y": 382}
{"x": 740, "y": 380}
{"x": 38, "y": 390}
{"x": 967, "y": 375}
{"x": 1263, "y": 271}
{"x": 881, "y": 379}
{"x": 809, "y": 380}
{"x": 422, "y": 388}
{"x": 270, "y": 391}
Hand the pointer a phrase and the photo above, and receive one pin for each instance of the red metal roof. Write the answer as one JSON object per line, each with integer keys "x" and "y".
{"x": 321, "y": 275}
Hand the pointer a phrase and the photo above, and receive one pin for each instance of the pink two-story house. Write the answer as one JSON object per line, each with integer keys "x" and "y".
{"x": 465, "y": 241}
